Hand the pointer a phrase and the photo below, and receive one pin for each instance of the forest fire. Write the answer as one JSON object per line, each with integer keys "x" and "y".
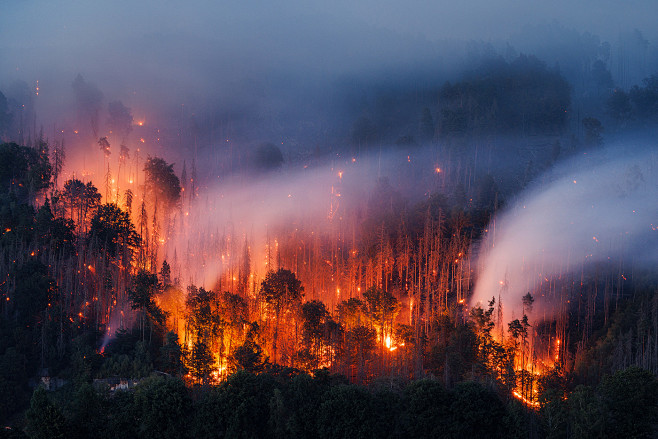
{"x": 530, "y": 403}
{"x": 223, "y": 229}
{"x": 355, "y": 291}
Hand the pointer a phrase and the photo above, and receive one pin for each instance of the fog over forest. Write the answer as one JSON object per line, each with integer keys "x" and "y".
{"x": 299, "y": 73}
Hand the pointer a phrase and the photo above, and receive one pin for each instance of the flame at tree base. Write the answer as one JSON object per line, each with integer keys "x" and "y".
{"x": 533, "y": 404}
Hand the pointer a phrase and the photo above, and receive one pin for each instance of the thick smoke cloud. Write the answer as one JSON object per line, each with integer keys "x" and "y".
{"x": 600, "y": 208}
{"x": 249, "y": 212}
{"x": 303, "y": 202}
{"x": 223, "y": 54}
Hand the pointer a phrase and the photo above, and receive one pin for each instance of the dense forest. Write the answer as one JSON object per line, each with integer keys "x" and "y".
{"x": 354, "y": 323}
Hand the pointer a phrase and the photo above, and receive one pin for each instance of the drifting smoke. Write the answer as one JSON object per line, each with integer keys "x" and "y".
{"x": 597, "y": 210}
{"x": 251, "y": 213}
{"x": 116, "y": 322}
{"x": 305, "y": 202}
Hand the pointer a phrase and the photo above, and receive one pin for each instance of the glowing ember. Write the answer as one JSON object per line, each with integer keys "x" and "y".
{"x": 517, "y": 395}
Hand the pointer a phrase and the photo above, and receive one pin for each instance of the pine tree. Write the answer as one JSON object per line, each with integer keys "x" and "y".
{"x": 44, "y": 419}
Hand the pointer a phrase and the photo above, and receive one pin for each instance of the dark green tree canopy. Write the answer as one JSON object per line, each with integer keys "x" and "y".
{"x": 162, "y": 184}
{"x": 315, "y": 315}
{"x": 142, "y": 294}
{"x": 34, "y": 290}
{"x": 80, "y": 200}
{"x": 523, "y": 95}
{"x": 249, "y": 356}
{"x": 630, "y": 399}
{"x": 280, "y": 289}
{"x": 171, "y": 355}
{"x": 112, "y": 229}
{"x": 58, "y": 233}
{"x": 24, "y": 171}
{"x": 5, "y": 115}
{"x": 44, "y": 419}
{"x": 162, "y": 407}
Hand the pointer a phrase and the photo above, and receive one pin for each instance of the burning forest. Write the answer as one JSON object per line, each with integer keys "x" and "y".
{"x": 464, "y": 249}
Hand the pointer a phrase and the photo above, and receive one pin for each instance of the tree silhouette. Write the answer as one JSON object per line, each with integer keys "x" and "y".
{"x": 5, "y": 116}
{"x": 249, "y": 356}
{"x": 113, "y": 231}
{"x": 142, "y": 297}
{"x": 171, "y": 355}
{"x": 315, "y": 330}
{"x": 201, "y": 360}
{"x": 382, "y": 308}
{"x": 24, "y": 171}
{"x": 280, "y": 291}
{"x": 88, "y": 101}
{"x": 162, "y": 184}
{"x": 81, "y": 200}
{"x": 44, "y": 419}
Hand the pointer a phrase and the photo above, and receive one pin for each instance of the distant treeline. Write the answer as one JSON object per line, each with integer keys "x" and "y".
{"x": 280, "y": 405}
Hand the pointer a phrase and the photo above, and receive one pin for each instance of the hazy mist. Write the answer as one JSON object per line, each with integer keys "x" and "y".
{"x": 271, "y": 66}
{"x": 596, "y": 209}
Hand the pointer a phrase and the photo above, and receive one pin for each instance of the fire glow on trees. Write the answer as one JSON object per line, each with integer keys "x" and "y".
{"x": 230, "y": 241}
{"x": 370, "y": 266}
{"x": 550, "y": 242}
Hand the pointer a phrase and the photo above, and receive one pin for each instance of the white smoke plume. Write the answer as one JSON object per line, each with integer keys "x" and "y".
{"x": 601, "y": 208}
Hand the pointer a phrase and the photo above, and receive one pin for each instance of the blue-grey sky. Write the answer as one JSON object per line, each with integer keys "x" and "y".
{"x": 74, "y": 22}
{"x": 178, "y": 51}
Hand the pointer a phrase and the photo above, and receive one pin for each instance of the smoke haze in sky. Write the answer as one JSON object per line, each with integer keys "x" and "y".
{"x": 179, "y": 53}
